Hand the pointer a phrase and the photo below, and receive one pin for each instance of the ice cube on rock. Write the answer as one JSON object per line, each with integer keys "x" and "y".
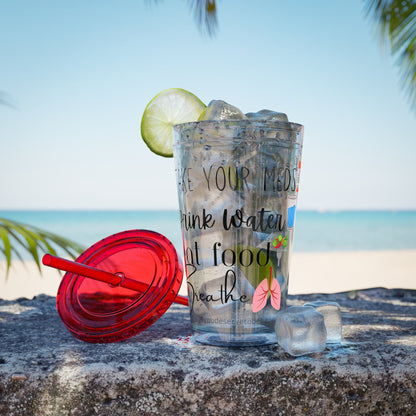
{"x": 332, "y": 318}
{"x": 300, "y": 330}
{"x": 267, "y": 115}
{"x": 220, "y": 110}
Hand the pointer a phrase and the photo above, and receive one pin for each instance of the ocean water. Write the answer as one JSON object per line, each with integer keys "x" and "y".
{"x": 314, "y": 231}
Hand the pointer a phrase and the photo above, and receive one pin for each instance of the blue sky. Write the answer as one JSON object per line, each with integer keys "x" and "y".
{"x": 80, "y": 74}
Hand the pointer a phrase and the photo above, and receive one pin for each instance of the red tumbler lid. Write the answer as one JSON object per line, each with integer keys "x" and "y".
{"x": 96, "y": 311}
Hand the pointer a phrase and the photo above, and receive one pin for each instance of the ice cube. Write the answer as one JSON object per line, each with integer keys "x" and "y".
{"x": 220, "y": 110}
{"x": 221, "y": 282}
{"x": 332, "y": 317}
{"x": 207, "y": 241}
{"x": 268, "y": 115}
{"x": 300, "y": 330}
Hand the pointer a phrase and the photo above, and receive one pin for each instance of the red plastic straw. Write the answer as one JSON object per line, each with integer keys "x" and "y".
{"x": 101, "y": 275}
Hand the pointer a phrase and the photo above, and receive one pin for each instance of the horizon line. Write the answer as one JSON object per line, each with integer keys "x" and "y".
{"x": 318, "y": 210}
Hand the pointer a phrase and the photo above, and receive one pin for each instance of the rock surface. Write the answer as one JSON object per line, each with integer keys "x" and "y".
{"x": 45, "y": 371}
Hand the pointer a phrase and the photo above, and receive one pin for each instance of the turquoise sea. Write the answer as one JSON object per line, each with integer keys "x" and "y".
{"x": 314, "y": 231}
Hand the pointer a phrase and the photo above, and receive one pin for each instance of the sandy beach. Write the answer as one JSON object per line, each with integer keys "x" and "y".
{"x": 328, "y": 272}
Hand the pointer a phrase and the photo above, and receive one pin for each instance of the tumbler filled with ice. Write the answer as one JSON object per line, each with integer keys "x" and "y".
{"x": 238, "y": 178}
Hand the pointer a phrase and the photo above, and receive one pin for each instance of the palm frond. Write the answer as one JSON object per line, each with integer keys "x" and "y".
{"x": 205, "y": 14}
{"x": 34, "y": 240}
{"x": 397, "y": 25}
{"x": 6, "y": 100}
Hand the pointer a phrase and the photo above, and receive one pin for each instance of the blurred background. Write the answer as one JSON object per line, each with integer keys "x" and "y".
{"x": 79, "y": 74}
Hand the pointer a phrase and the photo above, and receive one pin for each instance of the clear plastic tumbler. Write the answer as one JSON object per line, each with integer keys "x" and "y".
{"x": 237, "y": 187}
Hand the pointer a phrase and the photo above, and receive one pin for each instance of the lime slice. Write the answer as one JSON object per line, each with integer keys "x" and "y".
{"x": 169, "y": 107}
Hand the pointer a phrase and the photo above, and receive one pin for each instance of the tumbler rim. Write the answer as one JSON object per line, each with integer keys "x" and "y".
{"x": 231, "y": 130}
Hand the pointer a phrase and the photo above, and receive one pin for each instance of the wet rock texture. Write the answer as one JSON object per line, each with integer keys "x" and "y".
{"x": 45, "y": 371}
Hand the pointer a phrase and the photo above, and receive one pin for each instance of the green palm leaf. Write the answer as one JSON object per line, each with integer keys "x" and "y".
{"x": 6, "y": 100}
{"x": 33, "y": 240}
{"x": 7, "y": 247}
{"x": 205, "y": 14}
{"x": 397, "y": 24}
